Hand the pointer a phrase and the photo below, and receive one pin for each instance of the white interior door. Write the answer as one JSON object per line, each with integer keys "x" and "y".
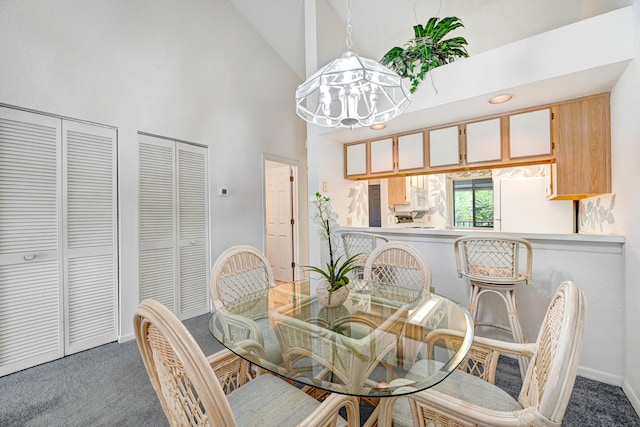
{"x": 192, "y": 230}
{"x": 31, "y": 304}
{"x": 279, "y": 219}
{"x": 90, "y": 235}
{"x": 157, "y": 220}
{"x": 173, "y": 225}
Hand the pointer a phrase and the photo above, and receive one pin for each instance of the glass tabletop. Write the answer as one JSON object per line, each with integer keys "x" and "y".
{"x": 383, "y": 340}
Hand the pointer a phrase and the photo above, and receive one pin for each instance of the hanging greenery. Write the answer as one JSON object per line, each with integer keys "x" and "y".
{"x": 427, "y": 50}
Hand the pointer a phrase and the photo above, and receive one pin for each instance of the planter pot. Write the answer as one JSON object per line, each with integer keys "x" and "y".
{"x": 331, "y": 299}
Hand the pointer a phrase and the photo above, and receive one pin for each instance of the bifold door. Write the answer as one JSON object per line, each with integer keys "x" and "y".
{"x": 173, "y": 225}
{"x": 58, "y": 238}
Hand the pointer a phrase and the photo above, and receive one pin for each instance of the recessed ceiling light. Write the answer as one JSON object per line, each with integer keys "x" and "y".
{"x": 378, "y": 126}
{"x": 499, "y": 99}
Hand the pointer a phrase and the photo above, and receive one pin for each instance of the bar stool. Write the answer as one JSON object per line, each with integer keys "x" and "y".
{"x": 491, "y": 265}
{"x": 361, "y": 244}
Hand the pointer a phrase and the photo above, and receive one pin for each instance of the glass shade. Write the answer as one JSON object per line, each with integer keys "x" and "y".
{"x": 352, "y": 92}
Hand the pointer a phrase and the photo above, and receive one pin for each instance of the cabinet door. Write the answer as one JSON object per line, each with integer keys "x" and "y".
{"x": 583, "y": 148}
{"x": 483, "y": 141}
{"x": 530, "y": 134}
{"x": 355, "y": 157}
{"x": 398, "y": 193}
{"x": 444, "y": 147}
{"x": 411, "y": 151}
{"x": 381, "y": 152}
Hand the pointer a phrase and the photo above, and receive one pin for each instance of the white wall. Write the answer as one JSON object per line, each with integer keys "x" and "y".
{"x": 625, "y": 150}
{"x": 191, "y": 70}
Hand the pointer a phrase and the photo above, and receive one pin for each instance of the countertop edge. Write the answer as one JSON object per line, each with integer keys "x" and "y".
{"x": 576, "y": 237}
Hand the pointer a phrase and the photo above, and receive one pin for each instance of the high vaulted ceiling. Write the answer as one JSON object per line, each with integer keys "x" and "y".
{"x": 379, "y": 25}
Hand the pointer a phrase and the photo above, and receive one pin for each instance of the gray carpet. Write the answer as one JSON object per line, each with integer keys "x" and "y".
{"x": 108, "y": 386}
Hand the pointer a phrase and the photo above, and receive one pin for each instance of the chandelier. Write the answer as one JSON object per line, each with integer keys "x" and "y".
{"x": 351, "y": 91}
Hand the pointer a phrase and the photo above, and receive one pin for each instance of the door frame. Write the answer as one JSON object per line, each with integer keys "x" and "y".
{"x": 295, "y": 236}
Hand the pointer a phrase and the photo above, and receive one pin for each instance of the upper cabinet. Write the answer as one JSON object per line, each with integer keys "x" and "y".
{"x": 355, "y": 159}
{"x": 381, "y": 156}
{"x": 483, "y": 143}
{"x": 530, "y": 134}
{"x": 444, "y": 147}
{"x": 582, "y": 139}
{"x": 573, "y": 136}
{"x": 410, "y": 153}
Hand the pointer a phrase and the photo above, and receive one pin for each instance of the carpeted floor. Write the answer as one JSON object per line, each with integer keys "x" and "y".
{"x": 108, "y": 386}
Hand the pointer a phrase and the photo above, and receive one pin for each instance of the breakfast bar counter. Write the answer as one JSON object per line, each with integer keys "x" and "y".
{"x": 593, "y": 262}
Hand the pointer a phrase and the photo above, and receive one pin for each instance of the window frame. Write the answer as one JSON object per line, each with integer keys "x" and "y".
{"x": 451, "y": 201}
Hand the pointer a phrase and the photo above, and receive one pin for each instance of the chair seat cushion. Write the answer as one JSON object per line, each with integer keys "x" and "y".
{"x": 463, "y": 386}
{"x": 269, "y": 401}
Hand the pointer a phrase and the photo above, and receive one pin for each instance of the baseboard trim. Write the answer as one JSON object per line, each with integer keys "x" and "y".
{"x": 600, "y": 376}
{"x": 127, "y": 337}
{"x": 632, "y": 396}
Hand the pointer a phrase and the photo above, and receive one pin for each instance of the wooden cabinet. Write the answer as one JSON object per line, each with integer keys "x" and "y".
{"x": 581, "y": 135}
{"x": 483, "y": 143}
{"x": 410, "y": 153}
{"x": 573, "y": 136}
{"x": 398, "y": 192}
{"x": 444, "y": 147}
{"x": 355, "y": 156}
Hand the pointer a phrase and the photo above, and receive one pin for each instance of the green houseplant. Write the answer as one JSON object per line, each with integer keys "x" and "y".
{"x": 427, "y": 50}
{"x": 336, "y": 271}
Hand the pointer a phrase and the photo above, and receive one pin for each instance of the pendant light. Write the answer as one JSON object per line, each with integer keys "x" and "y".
{"x": 352, "y": 91}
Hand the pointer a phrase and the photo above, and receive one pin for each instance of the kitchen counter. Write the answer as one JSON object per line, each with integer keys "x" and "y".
{"x": 594, "y": 262}
{"x": 417, "y": 230}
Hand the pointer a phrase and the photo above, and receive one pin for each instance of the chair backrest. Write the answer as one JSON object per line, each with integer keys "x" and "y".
{"x": 553, "y": 368}
{"x": 399, "y": 264}
{"x": 240, "y": 271}
{"x": 361, "y": 244}
{"x": 492, "y": 259}
{"x": 187, "y": 387}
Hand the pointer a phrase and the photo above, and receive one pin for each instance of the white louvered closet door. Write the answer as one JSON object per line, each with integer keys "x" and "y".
{"x": 192, "y": 230}
{"x": 173, "y": 225}
{"x": 90, "y": 235}
{"x": 157, "y": 220}
{"x": 31, "y": 304}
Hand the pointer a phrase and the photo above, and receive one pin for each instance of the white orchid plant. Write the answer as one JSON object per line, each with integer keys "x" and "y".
{"x": 337, "y": 270}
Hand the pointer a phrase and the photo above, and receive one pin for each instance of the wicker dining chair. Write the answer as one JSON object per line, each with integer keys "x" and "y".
{"x": 239, "y": 272}
{"x": 465, "y": 400}
{"x": 242, "y": 274}
{"x": 491, "y": 265}
{"x": 219, "y": 391}
{"x": 360, "y": 244}
{"x": 398, "y": 264}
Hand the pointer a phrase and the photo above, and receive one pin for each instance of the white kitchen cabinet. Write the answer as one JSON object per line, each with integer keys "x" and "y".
{"x": 411, "y": 151}
{"x": 530, "y": 134}
{"x": 356, "y": 159}
{"x": 381, "y": 152}
{"x": 483, "y": 143}
{"x": 444, "y": 147}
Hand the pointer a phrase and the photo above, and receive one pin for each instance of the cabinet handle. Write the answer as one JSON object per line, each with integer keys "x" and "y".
{"x": 29, "y": 257}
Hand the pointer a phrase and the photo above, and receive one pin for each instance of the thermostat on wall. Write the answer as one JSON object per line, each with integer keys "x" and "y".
{"x": 222, "y": 191}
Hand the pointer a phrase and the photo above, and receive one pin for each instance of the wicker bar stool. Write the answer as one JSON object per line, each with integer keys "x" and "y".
{"x": 491, "y": 265}
{"x": 362, "y": 244}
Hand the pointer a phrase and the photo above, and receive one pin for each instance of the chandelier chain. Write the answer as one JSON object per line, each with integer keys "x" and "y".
{"x": 349, "y": 41}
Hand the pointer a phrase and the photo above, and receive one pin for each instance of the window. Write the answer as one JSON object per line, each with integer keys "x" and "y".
{"x": 473, "y": 203}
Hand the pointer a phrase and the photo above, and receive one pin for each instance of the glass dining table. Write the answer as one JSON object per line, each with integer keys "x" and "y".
{"x": 381, "y": 342}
